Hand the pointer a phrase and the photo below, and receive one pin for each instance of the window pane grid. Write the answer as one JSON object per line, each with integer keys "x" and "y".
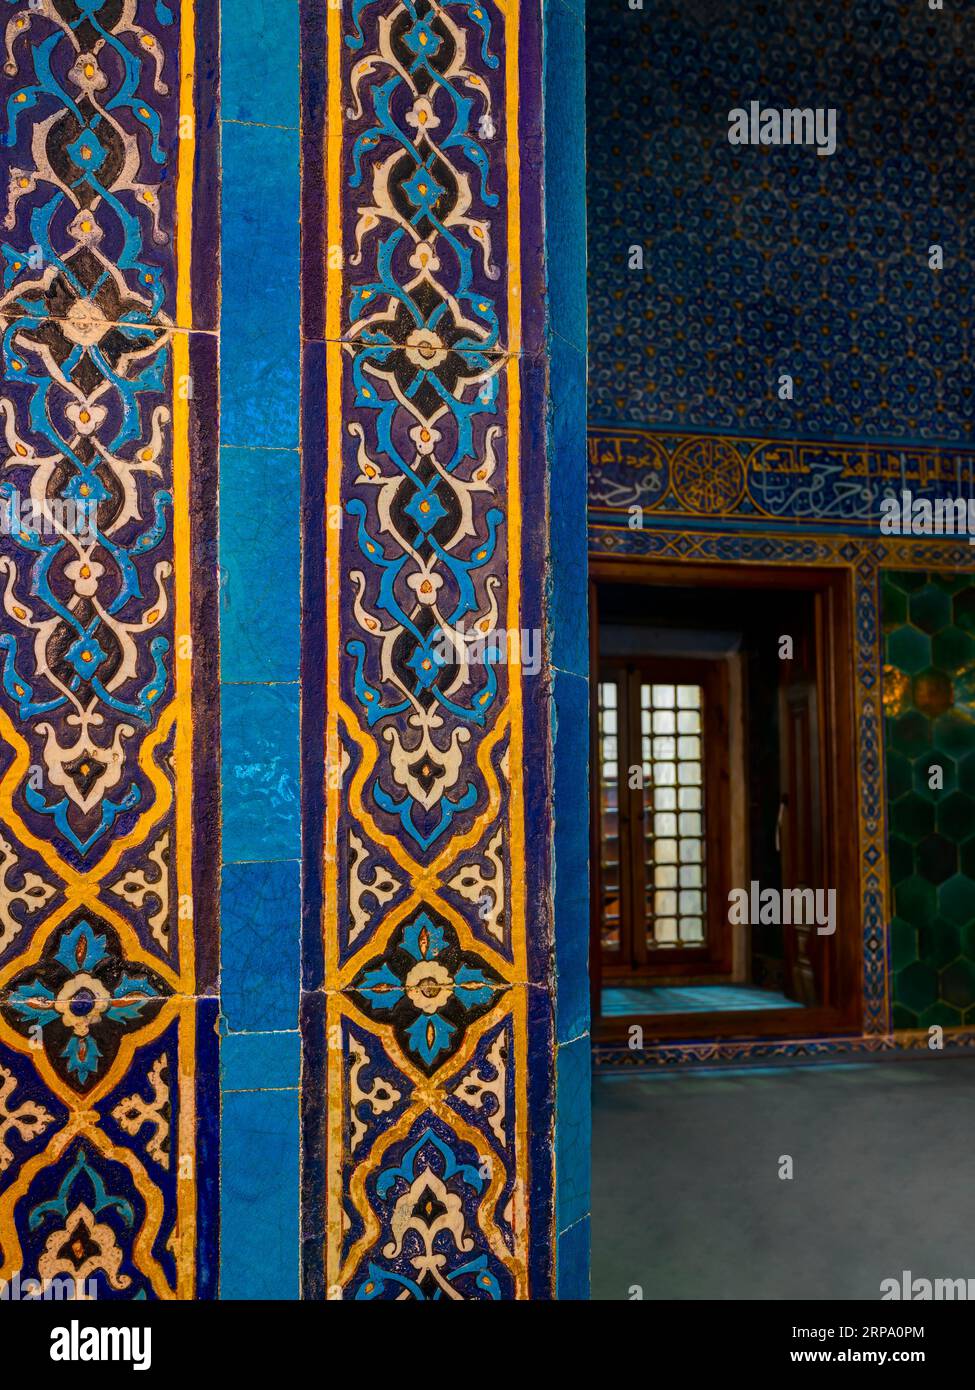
{"x": 673, "y": 814}
{"x": 609, "y": 816}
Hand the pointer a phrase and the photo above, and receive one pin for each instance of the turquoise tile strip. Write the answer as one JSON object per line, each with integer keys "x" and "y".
{"x": 259, "y": 539}
{"x": 260, "y": 571}
{"x": 261, "y": 1061}
{"x": 573, "y": 1135}
{"x": 260, "y": 918}
{"x": 261, "y": 815}
{"x": 572, "y": 1261}
{"x": 259, "y": 1219}
{"x": 568, "y": 632}
{"x": 259, "y": 72}
{"x": 261, "y": 293}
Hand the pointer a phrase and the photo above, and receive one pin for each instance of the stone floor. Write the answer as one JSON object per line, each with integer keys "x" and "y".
{"x": 688, "y": 1202}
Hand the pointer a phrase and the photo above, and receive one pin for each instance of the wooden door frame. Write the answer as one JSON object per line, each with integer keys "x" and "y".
{"x": 834, "y": 615}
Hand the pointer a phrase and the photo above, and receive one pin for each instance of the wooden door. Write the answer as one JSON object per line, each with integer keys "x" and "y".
{"x": 799, "y": 837}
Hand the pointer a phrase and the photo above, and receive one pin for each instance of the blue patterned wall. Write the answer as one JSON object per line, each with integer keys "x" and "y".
{"x": 762, "y": 260}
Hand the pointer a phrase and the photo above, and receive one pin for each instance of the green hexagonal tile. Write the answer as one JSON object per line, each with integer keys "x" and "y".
{"x": 931, "y": 866}
{"x": 933, "y": 693}
{"x": 954, "y": 733}
{"x": 941, "y": 1015}
{"x": 956, "y": 816}
{"x": 908, "y": 581}
{"x": 964, "y": 608}
{"x": 893, "y": 605}
{"x": 915, "y": 900}
{"x": 910, "y": 733}
{"x": 945, "y": 943}
{"x": 958, "y": 984}
{"x": 937, "y": 858}
{"x": 951, "y": 583}
{"x": 903, "y": 943}
{"x": 966, "y": 774}
{"x": 966, "y": 859}
{"x": 930, "y": 608}
{"x": 902, "y": 1018}
{"x": 912, "y": 816}
{"x": 899, "y": 774}
{"x": 967, "y": 940}
{"x": 956, "y": 899}
{"x": 917, "y": 986}
{"x": 900, "y": 858}
{"x": 952, "y": 649}
{"x": 909, "y": 649}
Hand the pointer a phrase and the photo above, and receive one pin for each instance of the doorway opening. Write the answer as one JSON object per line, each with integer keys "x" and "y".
{"x": 726, "y": 888}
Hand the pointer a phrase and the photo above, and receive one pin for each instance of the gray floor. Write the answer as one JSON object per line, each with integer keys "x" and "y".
{"x": 687, "y": 1201}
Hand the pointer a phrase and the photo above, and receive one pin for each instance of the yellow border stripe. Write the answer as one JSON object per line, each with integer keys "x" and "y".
{"x": 334, "y": 282}
{"x": 516, "y": 811}
{"x": 185, "y": 1150}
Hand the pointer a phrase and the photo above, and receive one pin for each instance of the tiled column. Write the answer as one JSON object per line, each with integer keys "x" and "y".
{"x": 108, "y": 916}
{"x": 259, "y": 613}
{"x": 445, "y": 1078}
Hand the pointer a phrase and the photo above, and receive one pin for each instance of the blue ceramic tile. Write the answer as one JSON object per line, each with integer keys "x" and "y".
{"x": 260, "y": 330}
{"x": 577, "y": 8}
{"x": 260, "y": 752}
{"x": 260, "y": 922}
{"x": 719, "y": 292}
{"x": 570, "y": 806}
{"x": 572, "y": 1261}
{"x": 259, "y": 61}
{"x": 260, "y": 580}
{"x": 565, "y": 171}
{"x": 573, "y": 1132}
{"x": 259, "y": 1235}
{"x": 260, "y": 1061}
{"x": 568, "y": 604}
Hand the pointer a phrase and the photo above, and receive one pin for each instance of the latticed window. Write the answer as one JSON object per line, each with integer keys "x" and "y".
{"x": 672, "y": 758}
{"x": 654, "y": 774}
{"x": 610, "y": 813}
